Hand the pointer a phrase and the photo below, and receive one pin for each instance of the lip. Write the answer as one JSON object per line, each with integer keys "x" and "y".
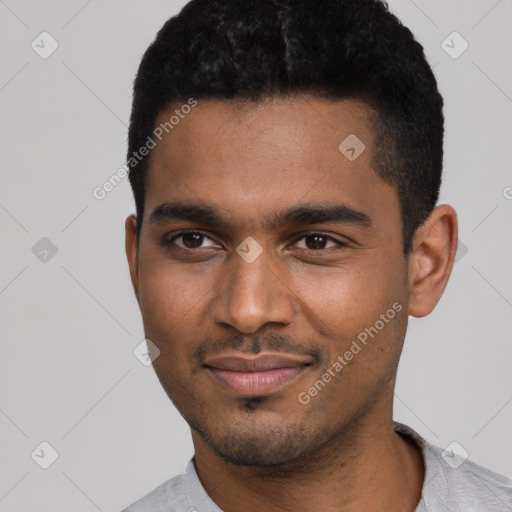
{"x": 249, "y": 375}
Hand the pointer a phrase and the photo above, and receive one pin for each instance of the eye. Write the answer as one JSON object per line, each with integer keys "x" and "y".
{"x": 191, "y": 240}
{"x": 319, "y": 241}
{"x": 315, "y": 241}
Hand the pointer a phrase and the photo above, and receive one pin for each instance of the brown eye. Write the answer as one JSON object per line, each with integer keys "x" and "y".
{"x": 315, "y": 241}
{"x": 318, "y": 241}
{"x": 190, "y": 240}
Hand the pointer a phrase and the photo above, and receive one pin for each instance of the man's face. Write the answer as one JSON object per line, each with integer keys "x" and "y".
{"x": 317, "y": 286}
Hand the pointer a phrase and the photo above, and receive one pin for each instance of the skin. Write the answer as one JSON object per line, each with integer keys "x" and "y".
{"x": 302, "y": 295}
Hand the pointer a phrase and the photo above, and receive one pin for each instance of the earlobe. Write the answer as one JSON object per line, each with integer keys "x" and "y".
{"x": 132, "y": 252}
{"x": 431, "y": 260}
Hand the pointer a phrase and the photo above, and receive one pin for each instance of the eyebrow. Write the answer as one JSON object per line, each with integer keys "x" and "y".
{"x": 297, "y": 215}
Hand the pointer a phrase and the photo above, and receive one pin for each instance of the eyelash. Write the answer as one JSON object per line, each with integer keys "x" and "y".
{"x": 304, "y": 235}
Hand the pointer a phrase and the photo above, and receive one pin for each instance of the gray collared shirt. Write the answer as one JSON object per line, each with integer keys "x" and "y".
{"x": 451, "y": 484}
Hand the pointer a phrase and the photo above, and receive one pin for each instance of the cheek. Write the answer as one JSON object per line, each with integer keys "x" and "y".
{"x": 359, "y": 310}
{"x": 167, "y": 296}
{"x": 163, "y": 280}
{"x": 351, "y": 294}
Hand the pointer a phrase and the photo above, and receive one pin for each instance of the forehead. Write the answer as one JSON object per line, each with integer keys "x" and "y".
{"x": 256, "y": 158}
{"x": 294, "y": 129}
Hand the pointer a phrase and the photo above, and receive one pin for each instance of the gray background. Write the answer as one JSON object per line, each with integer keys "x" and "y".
{"x": 70, "y": 323}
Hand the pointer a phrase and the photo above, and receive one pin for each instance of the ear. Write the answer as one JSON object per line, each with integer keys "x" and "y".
{"x": 431, "y": 259}
{"x": 132, "y": 252}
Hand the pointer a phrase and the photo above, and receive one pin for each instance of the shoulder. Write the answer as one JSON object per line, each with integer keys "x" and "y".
{"x": 469, "y": 486}
{"x": 453, "y": 482}
{"x": 170, "y": 493}
{"x": 182, "y": 493}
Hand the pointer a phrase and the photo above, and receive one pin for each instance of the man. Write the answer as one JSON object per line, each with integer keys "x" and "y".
{"x": 286, "y": 160}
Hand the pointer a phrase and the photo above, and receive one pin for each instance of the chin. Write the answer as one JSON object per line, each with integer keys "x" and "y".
{"x": 256, "y": 452}
{"x": 260, "y": 444}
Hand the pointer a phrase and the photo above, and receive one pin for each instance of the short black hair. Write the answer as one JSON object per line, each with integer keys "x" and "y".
{"x": 333, "y": 49}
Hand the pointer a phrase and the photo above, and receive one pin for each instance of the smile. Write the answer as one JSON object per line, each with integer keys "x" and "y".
{"x": 255, "y": 376}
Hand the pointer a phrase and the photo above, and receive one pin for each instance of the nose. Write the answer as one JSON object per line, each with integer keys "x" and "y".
{"x": 252, "y": 295}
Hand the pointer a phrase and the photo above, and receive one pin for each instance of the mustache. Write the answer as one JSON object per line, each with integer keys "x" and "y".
{"x": 268, "y": 341}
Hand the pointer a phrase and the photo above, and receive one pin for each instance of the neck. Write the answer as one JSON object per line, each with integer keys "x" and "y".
{"x": 369, "y": 467}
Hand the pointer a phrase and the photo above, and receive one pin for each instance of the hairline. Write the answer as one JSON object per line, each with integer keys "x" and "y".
{"x": 374, "y": 112}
